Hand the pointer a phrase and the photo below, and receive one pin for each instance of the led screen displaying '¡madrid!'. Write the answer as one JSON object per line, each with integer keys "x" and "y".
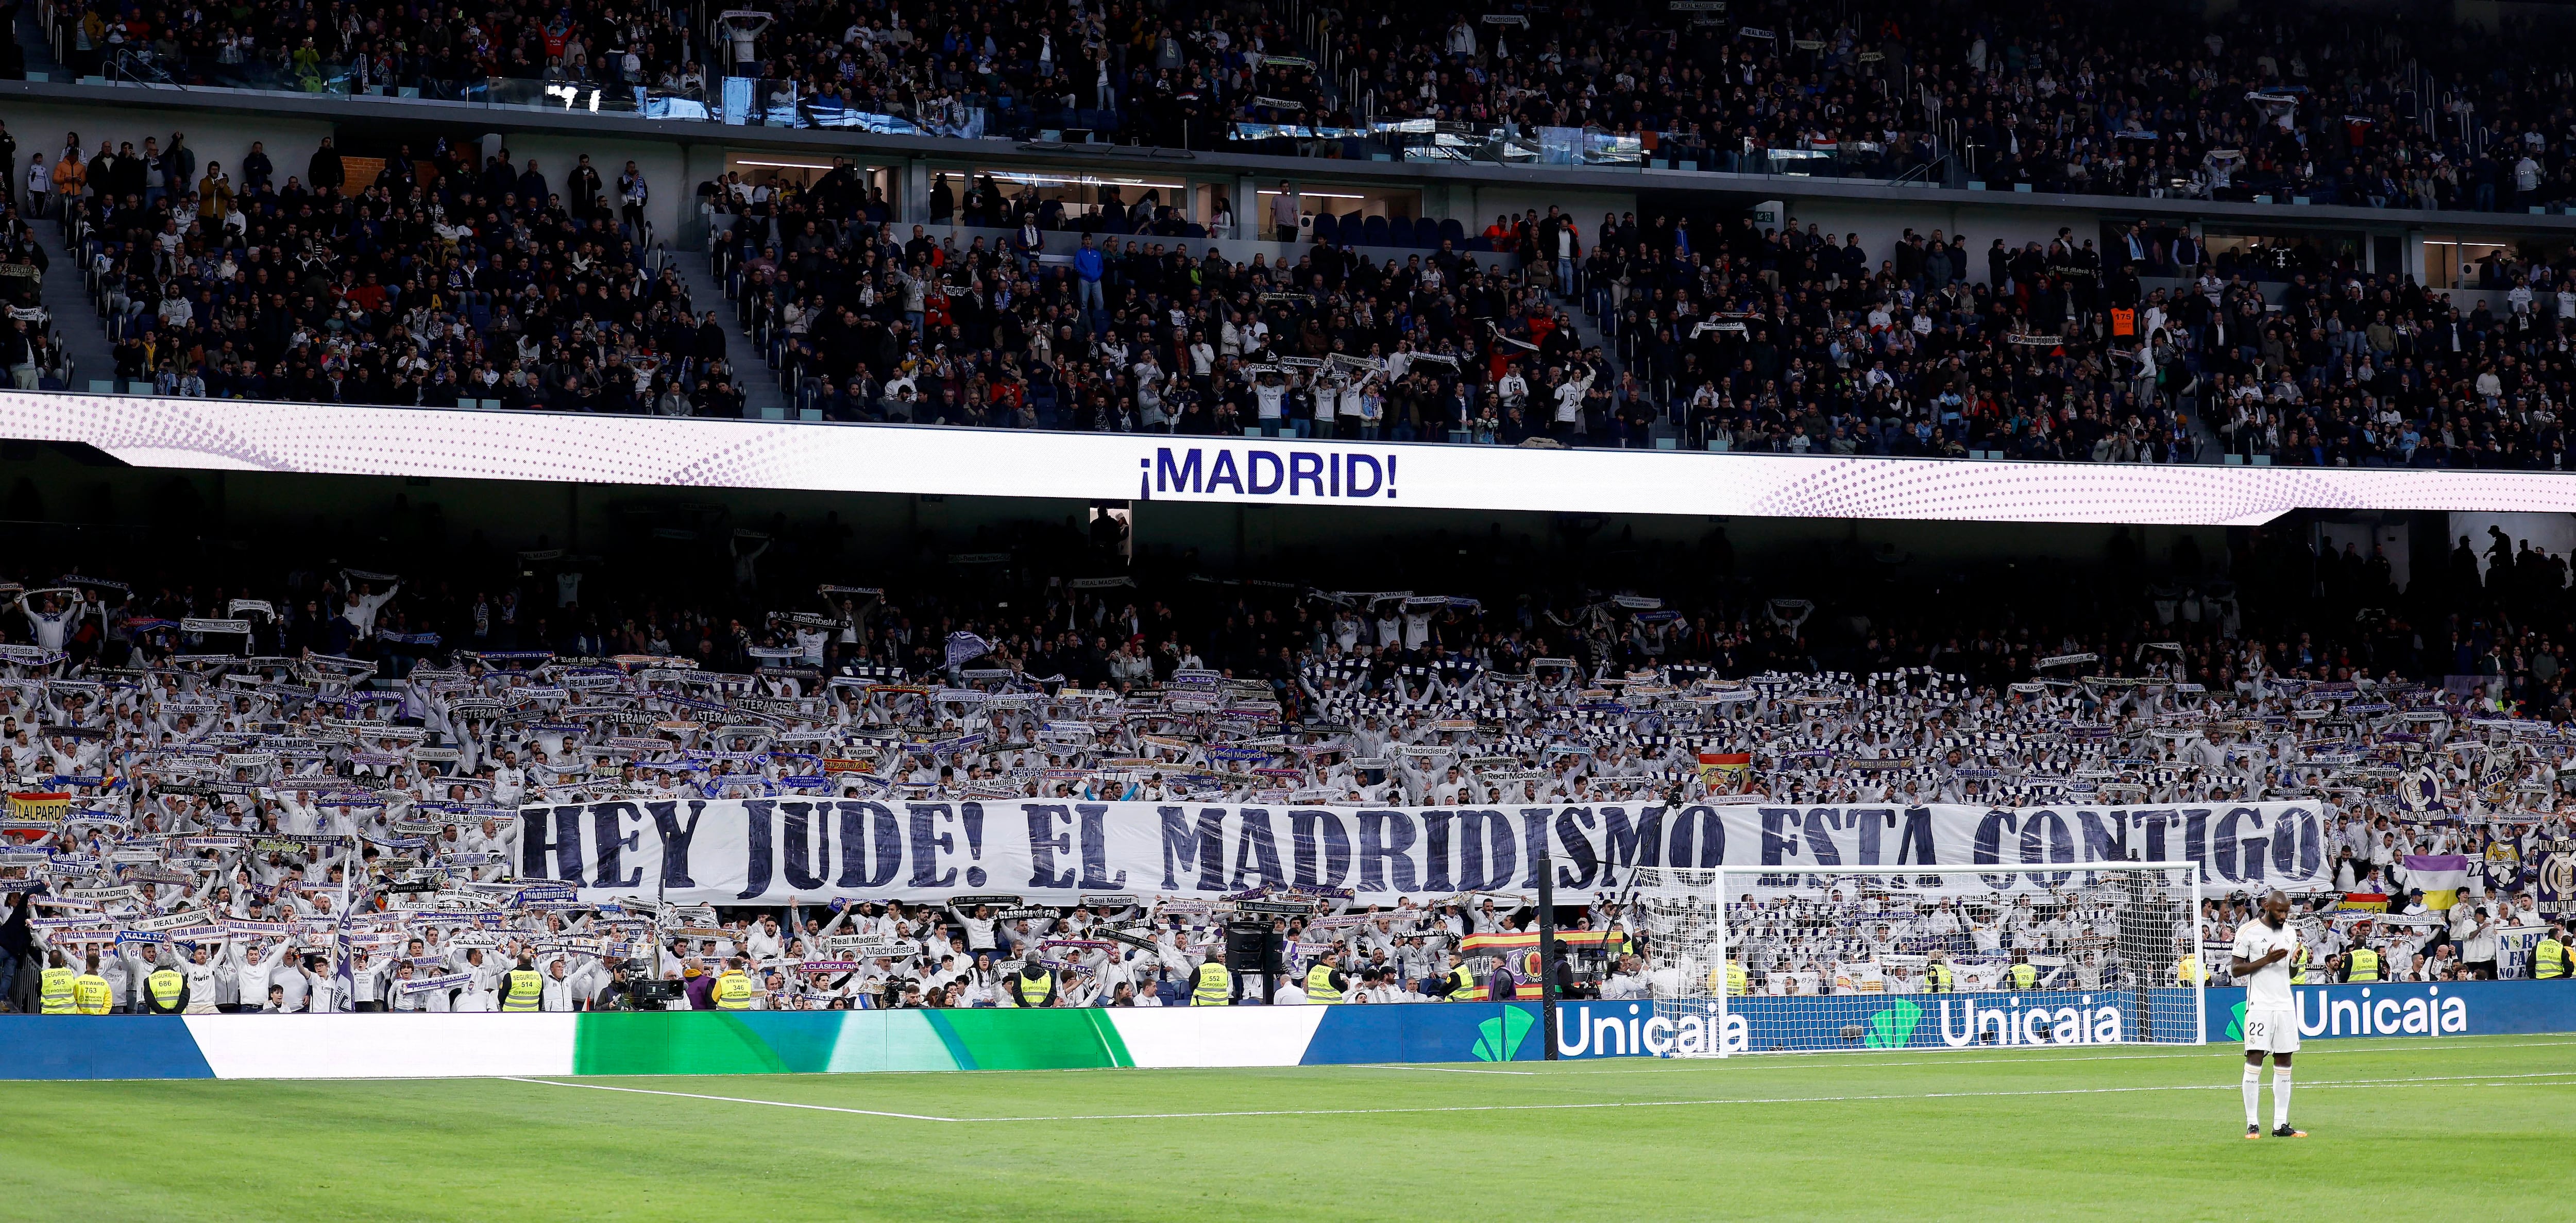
{"x": 691, "y": 452}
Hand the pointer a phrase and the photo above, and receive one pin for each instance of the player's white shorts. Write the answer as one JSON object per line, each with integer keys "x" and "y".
{"x": 2272, "y": 1031}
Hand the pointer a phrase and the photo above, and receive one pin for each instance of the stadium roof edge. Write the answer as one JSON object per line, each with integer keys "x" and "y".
{"x": 353, "y": 110}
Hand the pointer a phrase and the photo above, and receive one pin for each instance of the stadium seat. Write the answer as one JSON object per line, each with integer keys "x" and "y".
{"x": 1374, "y": 231}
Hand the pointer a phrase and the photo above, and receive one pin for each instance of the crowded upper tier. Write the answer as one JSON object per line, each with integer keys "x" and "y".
{"x": 455, "y": 278}
{"x": 2115, "y": 100}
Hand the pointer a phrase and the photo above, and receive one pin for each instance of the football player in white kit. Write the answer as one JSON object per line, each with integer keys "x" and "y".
{"x": 2261, "y": 959}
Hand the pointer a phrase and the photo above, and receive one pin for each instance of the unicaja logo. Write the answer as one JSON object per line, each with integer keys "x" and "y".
{"x": 1965, "y": 1023}
{"x": 1893, "y": 1028}
{"x": 1499, "y": 1039}
{"x": 2394, "y": 1012}
{"x": 1621, "y": 1030}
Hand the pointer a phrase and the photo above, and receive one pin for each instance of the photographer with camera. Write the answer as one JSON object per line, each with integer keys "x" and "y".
{"x": 618, "y": 994}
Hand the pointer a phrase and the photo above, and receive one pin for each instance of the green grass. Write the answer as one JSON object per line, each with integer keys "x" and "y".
{"x": 2473, "y": 1128}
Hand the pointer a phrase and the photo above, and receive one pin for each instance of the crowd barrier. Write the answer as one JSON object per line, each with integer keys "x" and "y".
{"x": 835, "y": 1042}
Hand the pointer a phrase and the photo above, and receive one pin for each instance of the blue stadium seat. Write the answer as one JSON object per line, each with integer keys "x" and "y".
{"x": 1375, "y": 232}
{"x": 1452, "y": 232}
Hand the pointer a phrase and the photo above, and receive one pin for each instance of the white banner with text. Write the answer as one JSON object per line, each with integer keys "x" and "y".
{"x": 766, "y": 851}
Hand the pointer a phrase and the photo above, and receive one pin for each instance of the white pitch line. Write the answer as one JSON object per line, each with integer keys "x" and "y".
{"x": 2490, "y": 1080}
{"x": 689, "y": 1095}
{"x": 1757, "y": 1061}
{"x": 1444, "y": 1069}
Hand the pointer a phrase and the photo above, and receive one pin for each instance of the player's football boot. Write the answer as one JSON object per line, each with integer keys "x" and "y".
{"x": 2253, "y": 1132}
{"x": 2284, "y": 1131}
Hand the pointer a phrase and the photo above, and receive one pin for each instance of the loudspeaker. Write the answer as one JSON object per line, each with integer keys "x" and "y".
{"x": 1251, "y": 947}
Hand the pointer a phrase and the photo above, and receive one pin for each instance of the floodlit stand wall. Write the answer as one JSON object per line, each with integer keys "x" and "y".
{"x": 837, "y": 1042}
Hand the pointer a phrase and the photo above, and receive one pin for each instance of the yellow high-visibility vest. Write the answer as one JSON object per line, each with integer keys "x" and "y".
{"x": 733, "y": 991}
{"x": 90, "y": 995}
{"x": 56, "y": 992}
{"x": 1319, "y": 984}
{"x": 526, "y": 990}
{"x": 2365, "y": 964}
{"x": 1216, "y": 986}
{"x": 2549, "y": 960}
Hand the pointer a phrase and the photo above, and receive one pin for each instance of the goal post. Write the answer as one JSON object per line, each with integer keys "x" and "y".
{"x": 1874, "y": 958}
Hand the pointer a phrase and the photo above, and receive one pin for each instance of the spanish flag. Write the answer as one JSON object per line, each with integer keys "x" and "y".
{"x": 47, "y": 808}
{"x": 1501, "y": 944}
{"x": 2363, "y": 902}
{"x": 1718, "y": 769}
{"x": 2440, "y": 876}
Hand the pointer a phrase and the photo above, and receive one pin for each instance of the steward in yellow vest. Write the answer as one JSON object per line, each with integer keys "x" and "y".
{"x": 2022, "y": 975}
{"x": 734, "y": 990}
{"x": 1459, "y": 983}
{"x": 524, "y": 989}
{"x": 1936, "y": 976}
{"x": 90, "y": 994}
{"x": 2361, "y": 964}
{"x": 2299, "y": 966}
{"x": 2549, "y": 957}
{"x": 1214, "y": 987}
{"x": 1034, "y": 986}
{"x": 54, "y": 995}
{"x": 1324, "y": 981}
{"x": 165, "y": 992}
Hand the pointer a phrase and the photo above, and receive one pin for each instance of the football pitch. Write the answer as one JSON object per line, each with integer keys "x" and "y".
{"x": 2474, "y": 1127}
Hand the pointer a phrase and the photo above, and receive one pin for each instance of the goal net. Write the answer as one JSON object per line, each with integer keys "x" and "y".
{"x": 1792, "y": 960}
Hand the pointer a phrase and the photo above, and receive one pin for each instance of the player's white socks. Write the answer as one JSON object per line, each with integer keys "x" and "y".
{"x": 2280, "y": 1097}
{"x": 2253, "y": 1095}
